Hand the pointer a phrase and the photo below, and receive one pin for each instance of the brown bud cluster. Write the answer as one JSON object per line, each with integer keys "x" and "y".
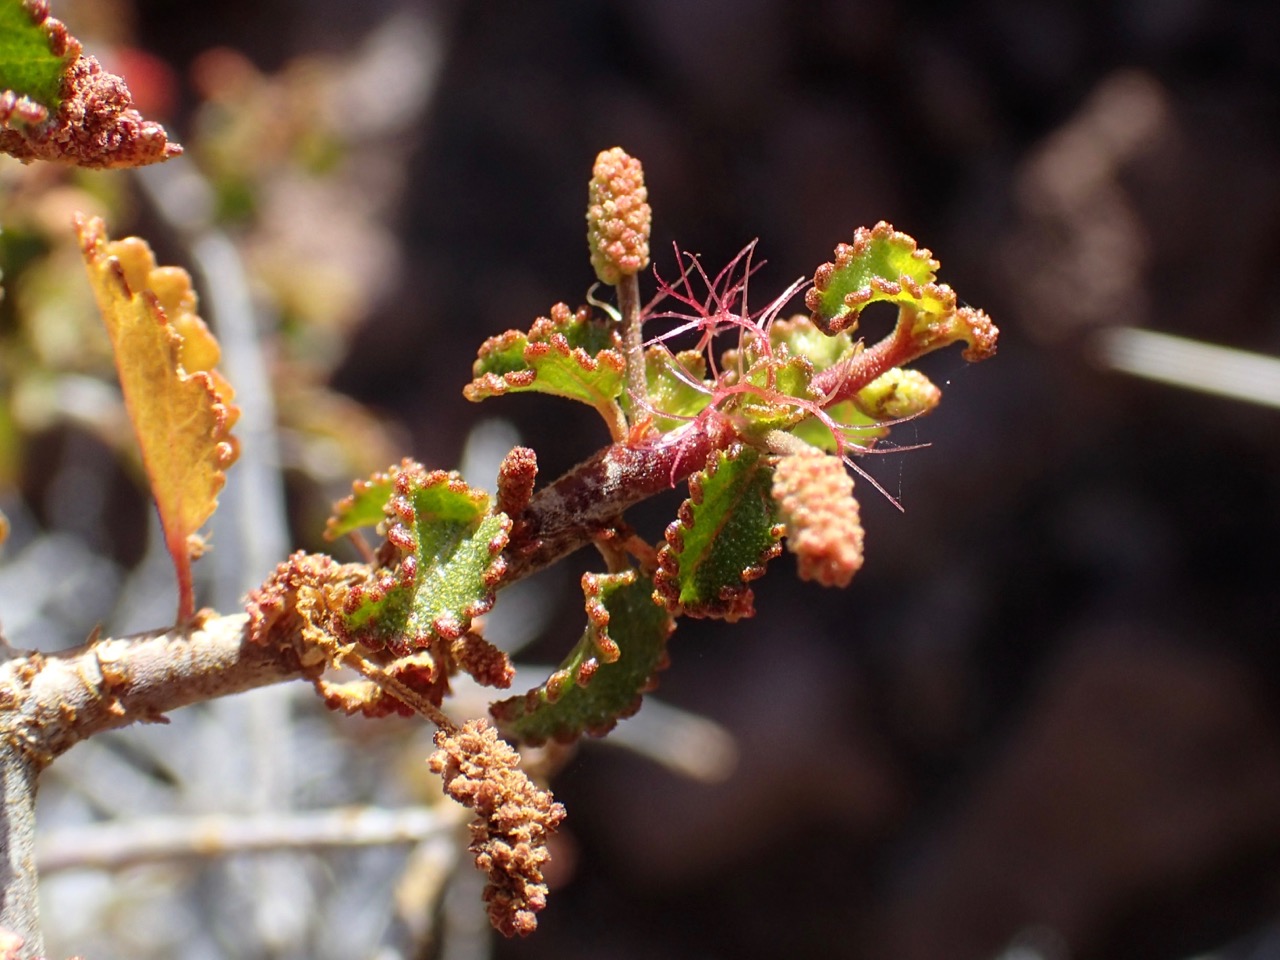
{"x": 815, "y": 499}
{"x": 513, "y": 819}
{"x": 618, "y": 216}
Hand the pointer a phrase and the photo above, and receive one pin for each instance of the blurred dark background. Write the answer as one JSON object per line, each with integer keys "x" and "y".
{"x": 1042, "y": 722}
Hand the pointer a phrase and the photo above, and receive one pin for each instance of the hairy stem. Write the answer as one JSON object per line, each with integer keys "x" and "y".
{"x": 568, "y": 513}
{"x": 914, "y": 335}
{"x": 840, "y": 382}
{"x": 633, "y": 342}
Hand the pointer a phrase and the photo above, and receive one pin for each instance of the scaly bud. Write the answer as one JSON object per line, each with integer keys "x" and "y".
{"x": 618, "y": 216}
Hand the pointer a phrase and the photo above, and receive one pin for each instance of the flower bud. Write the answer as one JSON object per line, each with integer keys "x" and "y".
{"x": 815, "y": 501}
{"x": 618, "y": 216}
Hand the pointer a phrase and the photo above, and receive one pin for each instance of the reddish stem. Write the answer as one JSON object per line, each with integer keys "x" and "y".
{"x": 186, "y": 585}
{"x": 568, "y": 513}
{"x": 842, "y": 381}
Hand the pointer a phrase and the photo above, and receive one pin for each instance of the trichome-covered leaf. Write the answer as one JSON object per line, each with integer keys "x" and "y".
{"x": 452, "y": 541}
{"x": 606, "y": 673}
{"x": 366, "y": 505}
{"x": 770, "y": 387}
{"x": 897, "y": 394}
{"x": 58, "y": 105}
{"x": 882, "y": 264}
{"x": 179, "y": 405}
{"x": 29, "y": 65}
{"x": 800, "y": 338}
{"x": 569, "y": 354}
{"x": 671, "y": 378}
{"x": 727, "y": 530}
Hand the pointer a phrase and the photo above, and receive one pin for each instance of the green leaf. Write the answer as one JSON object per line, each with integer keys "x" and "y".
{"x": 452, "y": 541}
{"x": 365, "y": 505}
{"x": 727, "y": 530}
{"x": 567, "y": 355}
{"x": 897, "y": 394}
{"x": 28, "y": 66}
{"x": 778, "y": 383}
{"x": 881, "y": 264}
{"x": 801, "y": 338}
{"x": 606, "y": 673}
{"x": 671, "y": 392}
{"x": 859, "y": 429}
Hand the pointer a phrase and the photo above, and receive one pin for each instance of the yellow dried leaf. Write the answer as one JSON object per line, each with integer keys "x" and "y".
{"x": 179, "y": 405}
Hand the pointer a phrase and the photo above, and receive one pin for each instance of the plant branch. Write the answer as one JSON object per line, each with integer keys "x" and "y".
{"x": 19, "y": 903}
{"x": 53, "y": 701}
{"x": 840, "y": 382}
{"x": 112, "y": 846}
{"x": 50, "y": 702}
{"x": 914, "y": 335}
{"x": 570, "y": 512}
{"x": 633, "y": 343}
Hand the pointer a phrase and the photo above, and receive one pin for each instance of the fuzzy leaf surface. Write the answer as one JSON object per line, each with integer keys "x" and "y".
{"x": 882, "y": 264}
{"x": 366, "y": 505}
{"x": 672, "y": 395}
{"x": 801, "y": 338}
{"x": 774, "y": 382}
{"x": 453, "y": 542}
{"x": 60, "y": 106}
{"x": 604, "y": 676}
{"x": 363, "y": 508}
{"x": 566, "y": 355}
{"x": 28, "y": 66}
{"x": 727, "y": 530}
{"x": 180, "y": 407}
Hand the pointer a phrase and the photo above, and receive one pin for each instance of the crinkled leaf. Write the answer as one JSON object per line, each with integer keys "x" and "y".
{"x": 452, "y": 541}
{"x": 671, "y": 378}
{"x": 881, "y": 264}
{"x": 58, "y": 105}
{"x": 727, "y": 530}
{"x": 567, "y": 355}
{"x": 776, "y": 383}
{"x": 802, "y": 339}
{"x": 604, "y": 676}
{"x": 366, "y": 505}
{"x": 179, "y": 405}
{"x": 28, "y": 65}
